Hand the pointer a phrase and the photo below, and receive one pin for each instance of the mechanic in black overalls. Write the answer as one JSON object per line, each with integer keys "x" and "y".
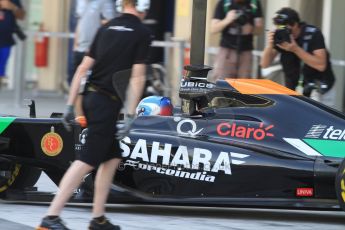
{"x": 306, "y": 46}
{"x": 122, "y": 43}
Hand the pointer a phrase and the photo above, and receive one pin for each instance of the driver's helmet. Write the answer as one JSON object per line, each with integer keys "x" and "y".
{"x": 155, "y": 105}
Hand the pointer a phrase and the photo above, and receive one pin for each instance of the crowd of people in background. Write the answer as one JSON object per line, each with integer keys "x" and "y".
{"x": 238, "y": 22}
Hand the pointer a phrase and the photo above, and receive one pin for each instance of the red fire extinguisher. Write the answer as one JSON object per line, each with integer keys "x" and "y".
{"x": 41, "y": 50}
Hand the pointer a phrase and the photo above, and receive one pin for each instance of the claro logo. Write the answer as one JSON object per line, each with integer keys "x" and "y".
{"x": 244, "y": 132}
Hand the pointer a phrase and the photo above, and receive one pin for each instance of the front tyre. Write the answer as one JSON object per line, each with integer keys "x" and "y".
{"x": 340, "y": 185}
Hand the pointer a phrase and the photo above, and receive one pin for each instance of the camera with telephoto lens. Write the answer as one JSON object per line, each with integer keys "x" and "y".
{"x": 282, "y": 34}
{"x": 242, "y": 17}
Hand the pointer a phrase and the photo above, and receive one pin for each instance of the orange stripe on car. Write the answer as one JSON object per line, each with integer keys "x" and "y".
{"x": 259, "y": 86}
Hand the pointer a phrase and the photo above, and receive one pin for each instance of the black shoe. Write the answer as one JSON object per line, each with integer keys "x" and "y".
{"x": 52, "y": 224}
{"x": 105, "y": 225}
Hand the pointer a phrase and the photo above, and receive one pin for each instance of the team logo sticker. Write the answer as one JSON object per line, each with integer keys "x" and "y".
{"x": 244, "y": 132}
{"x": 52, "y": 143}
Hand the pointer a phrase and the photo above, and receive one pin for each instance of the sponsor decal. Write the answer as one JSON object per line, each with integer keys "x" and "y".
{"x": 244, "y": 132}
{"x": 321, "y": 140}
{"x": 304, "y": 192}
{"x": 317, "y": 147}
{"x": 302, "y": 146}
{"x": 120, "y": 28}
{"x": 5, "y": 122}
{"x": 52, "y": 143}
{"x": 187, "y": 127}
{"x": 191, "y": 84}
{"x": 326, "y": 132}
{"x": 82, "y": 140}
{"x": 327, "y": 148}
{"x": 178, "y": 163}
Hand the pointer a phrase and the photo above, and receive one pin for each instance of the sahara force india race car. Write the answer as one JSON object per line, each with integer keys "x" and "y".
{"x": 236, "y": 142}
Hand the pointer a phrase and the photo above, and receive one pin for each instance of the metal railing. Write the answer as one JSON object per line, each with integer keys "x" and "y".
{"x": 168, "y": 45}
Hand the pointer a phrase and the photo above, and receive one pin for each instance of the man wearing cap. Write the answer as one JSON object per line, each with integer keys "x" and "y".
{"x": 302, "y": 51}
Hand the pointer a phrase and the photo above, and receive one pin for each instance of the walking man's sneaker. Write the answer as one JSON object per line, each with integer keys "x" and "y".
{"x": 104, "y": 225}
{"x": 52, "y": 224}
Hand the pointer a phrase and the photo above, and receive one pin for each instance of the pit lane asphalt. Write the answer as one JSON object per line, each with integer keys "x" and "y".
{"x": 26, "y": 215}
{"x": 16, "y": 216}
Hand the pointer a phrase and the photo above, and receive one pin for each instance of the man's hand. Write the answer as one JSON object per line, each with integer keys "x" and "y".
{"x": 291, "y": 46}
{"x": 68, "y": 118}
{"x": 8, "y": 5}
{"x": 124, "y": 128}
{"x": 231, "y": 16}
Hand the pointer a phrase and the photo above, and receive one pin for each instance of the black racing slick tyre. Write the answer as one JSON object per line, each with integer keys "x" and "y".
{"x": 340, "y": 185}
{"x": 16, "y": 176}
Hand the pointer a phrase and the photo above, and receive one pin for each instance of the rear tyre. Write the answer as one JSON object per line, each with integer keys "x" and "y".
{"x": 16, "y": 176}
{"x": 340, "y": 185}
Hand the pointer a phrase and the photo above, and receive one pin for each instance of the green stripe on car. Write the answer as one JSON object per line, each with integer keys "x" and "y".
{"x": 5, "y": 122}
{"x": 329, "y": 148}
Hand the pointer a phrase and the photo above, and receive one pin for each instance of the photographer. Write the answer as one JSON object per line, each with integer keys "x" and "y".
{"x": 10, "y": 10}
{"x": 298, "y": 43}
{"x": 238, "y": 21}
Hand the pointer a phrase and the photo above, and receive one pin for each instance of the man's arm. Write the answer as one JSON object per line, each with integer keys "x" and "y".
{"x": 18, "y": 12}
{"x": 135, "y": 88}
{"x": 218, "y": 25}
{"x": 269, "y": 52}
{"x": 81, "y": 72}
{"x": 317, "y": 59}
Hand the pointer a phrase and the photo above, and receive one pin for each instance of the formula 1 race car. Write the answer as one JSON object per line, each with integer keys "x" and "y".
{"x": 236, "y": 142}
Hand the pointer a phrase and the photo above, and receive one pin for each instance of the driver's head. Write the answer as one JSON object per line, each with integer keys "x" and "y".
{"x": 155, "y": 105}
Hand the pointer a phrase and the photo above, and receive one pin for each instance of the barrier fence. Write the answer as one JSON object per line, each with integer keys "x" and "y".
{"x": 168, "y": 45}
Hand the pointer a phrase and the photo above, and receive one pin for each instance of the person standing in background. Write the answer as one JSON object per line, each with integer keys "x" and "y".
{"x": 91, "y": 15}
{"x": 10, "y": 11}
{"x": 238, "y": 21}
